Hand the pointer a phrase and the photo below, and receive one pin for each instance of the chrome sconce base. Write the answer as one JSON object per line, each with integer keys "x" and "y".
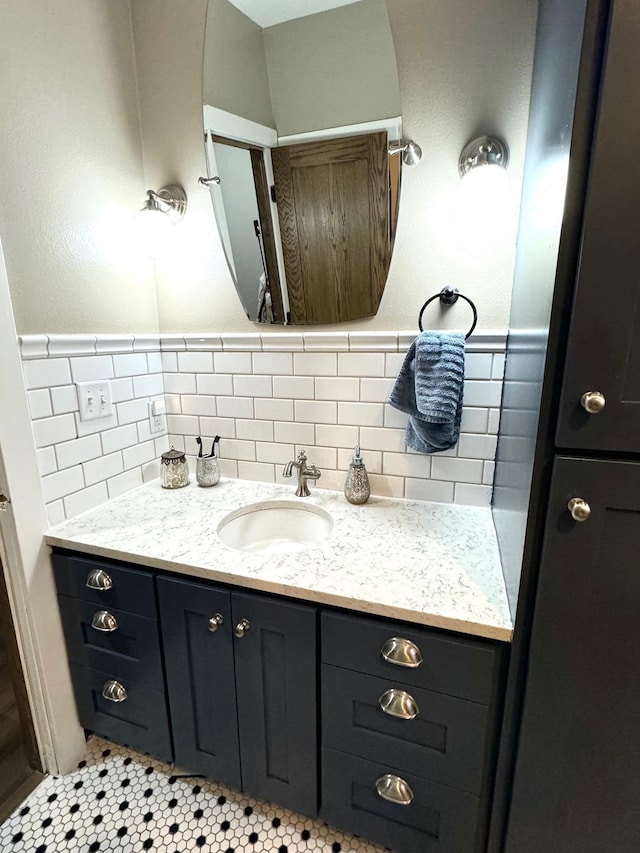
{"x": 483, "y": 151}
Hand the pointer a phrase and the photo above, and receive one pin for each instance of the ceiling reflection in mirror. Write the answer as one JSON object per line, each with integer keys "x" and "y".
{"x": 302, "y": 102}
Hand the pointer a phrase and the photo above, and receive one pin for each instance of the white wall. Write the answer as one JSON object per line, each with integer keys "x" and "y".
{"x": 464, "y": 70}
{"x": 71, "y": 167}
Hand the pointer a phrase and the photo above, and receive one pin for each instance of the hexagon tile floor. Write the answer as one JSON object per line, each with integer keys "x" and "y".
{"x": 118, "y": 801}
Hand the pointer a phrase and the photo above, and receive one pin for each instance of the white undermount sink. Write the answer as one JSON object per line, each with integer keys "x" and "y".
{"x": 275, "y": 527}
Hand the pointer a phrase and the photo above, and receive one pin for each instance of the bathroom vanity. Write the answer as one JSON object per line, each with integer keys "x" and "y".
{"x": 359, "y": 679}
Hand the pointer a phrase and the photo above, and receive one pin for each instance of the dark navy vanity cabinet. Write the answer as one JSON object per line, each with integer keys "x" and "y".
{"x": 382, "y": 728}
{"x": 241, "y": 674}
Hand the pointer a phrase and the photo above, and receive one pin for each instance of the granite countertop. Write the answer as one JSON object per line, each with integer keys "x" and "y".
{"x": 429, "y": 563}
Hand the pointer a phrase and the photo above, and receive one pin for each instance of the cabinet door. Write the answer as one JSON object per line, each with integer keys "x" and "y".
{"x": 604, "y": 343}
{"x": 276, "y": 685}
{"x": 578, "y": 763}
{"x": 200, "y": 678}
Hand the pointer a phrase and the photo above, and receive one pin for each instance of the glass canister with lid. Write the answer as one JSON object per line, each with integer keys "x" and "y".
{"x": 174, "y": 470}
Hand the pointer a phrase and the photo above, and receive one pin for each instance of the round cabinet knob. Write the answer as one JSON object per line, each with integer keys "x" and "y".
{"x": 401, "y": 652}
{"x": 394, "y": 789}
{"x": 579, "y": 509}
{"x": 99, "y": 579}
{"x": 399, "y": 703}
{"x": 215, "y": 622}
{"x": 593, "y": 402}
{"x": 242, "y": 627}
{"x": 114, "y": 691}
{"x": 104, "y": 621}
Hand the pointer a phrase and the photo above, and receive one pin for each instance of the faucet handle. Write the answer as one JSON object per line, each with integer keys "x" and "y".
{"x": 302, "y": 458}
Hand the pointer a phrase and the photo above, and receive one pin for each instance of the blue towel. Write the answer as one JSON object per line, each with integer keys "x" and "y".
{"x": 429, "y": 388}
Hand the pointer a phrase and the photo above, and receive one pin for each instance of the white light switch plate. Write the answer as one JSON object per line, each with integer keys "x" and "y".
{"x": 94, "y": 399}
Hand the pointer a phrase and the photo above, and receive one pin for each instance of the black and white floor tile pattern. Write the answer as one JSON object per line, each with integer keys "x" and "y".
{"x": 118, "y": 801}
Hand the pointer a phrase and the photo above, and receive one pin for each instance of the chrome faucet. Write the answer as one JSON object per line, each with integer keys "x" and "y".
{"x": 305, "y": 472}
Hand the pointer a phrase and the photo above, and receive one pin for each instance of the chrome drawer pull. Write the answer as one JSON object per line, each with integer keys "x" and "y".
{"x": 114, "y": 691}
{"x": 99, "y": 579}
{"x": 394, "y": 790}
{"x": 104, "y": 621}
{"x": 215, "y": 622}
{"x": 593, "y": 402}
{"x": 579, "y": 509}
{"x": 398, "y": 703}
{"x": 242, "y": 627}
{"x": 401, "y": 652}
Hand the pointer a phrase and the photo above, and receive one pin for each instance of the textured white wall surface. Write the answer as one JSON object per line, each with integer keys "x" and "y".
{"x": 71, "y": 167}
{"x": 464, "y": 70}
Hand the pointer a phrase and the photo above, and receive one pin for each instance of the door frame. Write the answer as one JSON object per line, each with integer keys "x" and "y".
{"x": 27, "y": 567}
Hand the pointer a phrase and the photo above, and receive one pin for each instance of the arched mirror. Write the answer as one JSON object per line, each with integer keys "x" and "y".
{"x": 302, "y": 131}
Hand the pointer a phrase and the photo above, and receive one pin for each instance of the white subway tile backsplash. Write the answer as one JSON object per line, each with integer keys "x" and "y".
{"x": 274, "y": 410}
{"x": 235, "y": 407}
{"x": 337, "y": 436}
{"x": 122, "y": 483}
{"x": 121, "y": 390}
{"x": 361, "y": 414}
{"x": 169, "y": 362}
{"x": 85, "y": 499}
{"x": 337, "y": 388}
{"x": 195, "y": 362}
{"x": 102, "y": 468}
{"x": 315, "y": 364}
{"x": 131, "y": 411}
{"x": 255, "y": 430}
{"x": 457, "y": 470}
{"x": 198, "y": 405}
{"x": 54, "y": 430}
{"x": 62, "y": 483}
{"x": 315, "y": 412}
{"x": 79, "y": 450}
{"x": 116, "y": 439}
{"x": 467, "y": 493}
{"x": 328, "y": 398}
{"x": 210, "y": 427}
{"x": 181, "y": 383}
{"x": 46, "y": 458}
{"x": 375, "y": 390}
{"x": 289, "y": 433}
{"x": 360, "y": 363}
{"x": 428, "y": 490}
{"x": 232, "y": 362}
{"x": 33, "y": 346}
{"x": 45, "y": 372}
{"x": 482, "y": 393}
{"x": 272, "y": 363}
{"x": 40, "y": 403}
{"x": 150, "y": 385}
{"x": 260, "y": 471}
{"x": 294, "y": 387}
{"x": 280, "y": 454}
{"x": 139, "y": 454}
{"x": 56, "y": 513}
{"x": 210, "y": 383}
{"x": 253, "y": 386}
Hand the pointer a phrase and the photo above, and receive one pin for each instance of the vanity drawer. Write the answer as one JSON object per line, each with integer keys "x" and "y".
{"x": 437, "y": 820}
{"x": 457, "y": 667}
{"x": 124, "y": 588}
{"x": 131, "y": 648}
{"x": 445, "y": 741}
{"x": 139, "y": 721}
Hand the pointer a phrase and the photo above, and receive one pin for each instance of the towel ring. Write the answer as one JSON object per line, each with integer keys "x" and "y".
{"x": 449, "y": 296}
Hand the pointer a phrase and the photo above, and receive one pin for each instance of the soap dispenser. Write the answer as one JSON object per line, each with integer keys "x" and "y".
{"x": 356, "y": 487}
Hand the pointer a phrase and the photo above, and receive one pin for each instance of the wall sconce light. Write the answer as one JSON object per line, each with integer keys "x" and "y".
{"x": 161, "y": 210}
{"x": 410, "y": 150}
{"x": 484, "y": 191}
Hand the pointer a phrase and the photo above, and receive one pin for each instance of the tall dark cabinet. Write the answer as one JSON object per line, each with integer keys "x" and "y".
{"x": 570, "y": 771}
